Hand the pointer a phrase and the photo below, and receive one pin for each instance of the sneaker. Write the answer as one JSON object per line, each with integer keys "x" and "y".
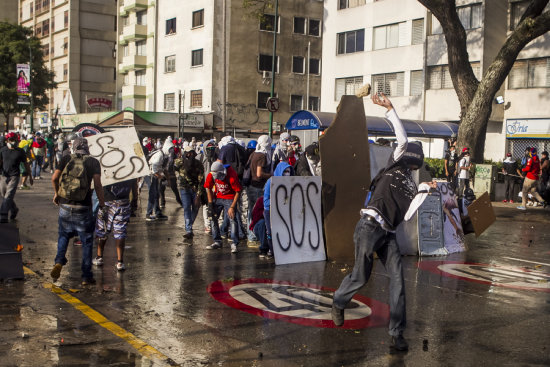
{"x": 51, "y": 171}
{"x": 269, "y": 255}
{"x": 120, "y": 266}
{"x": 56, "y": 272}
{"x": 97, "y": 261}
{"x": 521, "y": 207}
{"x": 337, "y": 315}
{"x": 214, "y": 246}
{"x": 234, "y": 249}
{"x": 14, "y": 213}
{"x": 77, "y": 242}
{"x": 150, "y": 218}
{"x": 162, "y": 206}
{"x": 38, "y": 178}
{"x": 253, "y": 244}
{"x": 504, "y": 201}
{"x": 188, "y": 235}
{"x": 24, "y": 187}
{"x": 207, "y": 230}
{"x": 529, "y": 203}
{"x": 399, "y": 343}
{"x": 88, "y": 281}
{"x": 262, "y": 255}
{"x": 162, "y": 217}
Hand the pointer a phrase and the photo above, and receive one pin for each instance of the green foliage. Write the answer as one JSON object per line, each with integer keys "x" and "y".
{"x": 436, "y": 167}
{"x": 16, "y": 44}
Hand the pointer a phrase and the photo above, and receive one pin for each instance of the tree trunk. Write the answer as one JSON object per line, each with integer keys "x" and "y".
{"x": 7, "y": 117}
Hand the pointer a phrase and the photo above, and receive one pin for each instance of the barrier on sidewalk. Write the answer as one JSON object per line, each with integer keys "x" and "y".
{"x": 11, "y": 262}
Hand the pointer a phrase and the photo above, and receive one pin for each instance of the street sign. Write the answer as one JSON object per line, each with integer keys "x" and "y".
{"x": 272, "y": 104}
{"x": 306, "y": 305}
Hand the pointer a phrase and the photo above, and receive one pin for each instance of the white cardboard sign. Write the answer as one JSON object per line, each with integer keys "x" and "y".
{"x": 296, "y": 220}
{"x": 120, "y": 154}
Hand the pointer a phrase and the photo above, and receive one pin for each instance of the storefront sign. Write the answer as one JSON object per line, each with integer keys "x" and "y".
{"x": 194, "y": 121}
{"x": 100, "y": 102}
{"x": 528, "y": 128}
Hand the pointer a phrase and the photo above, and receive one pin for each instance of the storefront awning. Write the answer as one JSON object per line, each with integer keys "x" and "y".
{"x": 309, "y": 120}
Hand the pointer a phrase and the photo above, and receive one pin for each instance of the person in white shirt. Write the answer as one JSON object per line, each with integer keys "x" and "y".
{"x": 464, "y": 166}
{"x": 156, "y": 159}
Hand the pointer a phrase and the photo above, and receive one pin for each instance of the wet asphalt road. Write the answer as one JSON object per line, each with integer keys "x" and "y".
{"x": 162, "y": 300}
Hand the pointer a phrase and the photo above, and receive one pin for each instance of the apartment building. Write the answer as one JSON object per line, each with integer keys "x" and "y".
{"x": 404, "y": 55}
{"x": 9, "y": 11}
{"x": 211, "y": 60}
{"x": 79, "y": 44}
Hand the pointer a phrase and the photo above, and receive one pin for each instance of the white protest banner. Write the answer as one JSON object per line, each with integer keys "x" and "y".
{"x": 120, "y": 154}
{"x": 296, "y": 220}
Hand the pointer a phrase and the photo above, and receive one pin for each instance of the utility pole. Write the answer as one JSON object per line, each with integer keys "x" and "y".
{"x": 31, "y": 96}
{"x": 273, "y": 64}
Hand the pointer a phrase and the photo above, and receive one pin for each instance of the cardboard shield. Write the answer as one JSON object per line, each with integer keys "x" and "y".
{"x": 481, "y": 214}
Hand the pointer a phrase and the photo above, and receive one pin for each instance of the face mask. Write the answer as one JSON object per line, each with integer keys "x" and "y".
{"x": 286, "y": 173}
{"x": 218, "y": 175}
{"x": 313, "y": 160}
{"x": 10, "y": 145}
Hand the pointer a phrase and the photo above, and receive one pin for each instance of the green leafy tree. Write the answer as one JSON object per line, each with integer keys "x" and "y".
{"x": 16, "y": 45}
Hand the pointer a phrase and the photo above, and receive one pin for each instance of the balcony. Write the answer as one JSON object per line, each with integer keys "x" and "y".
{"x": 133, "y": 32}
{"x": 134, "y": 91}
{"x": 134, "y": 5}
{"x": 132, "y": 62}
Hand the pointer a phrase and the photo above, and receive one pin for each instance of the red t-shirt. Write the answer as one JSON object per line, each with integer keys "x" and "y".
{"x": 227, "y": 188}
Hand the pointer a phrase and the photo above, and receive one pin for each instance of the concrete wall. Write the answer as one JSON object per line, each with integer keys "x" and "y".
{"x": 9, "y": 11}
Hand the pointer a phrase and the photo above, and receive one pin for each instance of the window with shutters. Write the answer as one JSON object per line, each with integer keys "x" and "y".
{"x": 296, "y": 102}
{"x": 386, "y": 36}
{"x": 198, "y": 18}
{"x": 344, "y": 4}
{"x": 125, "y": 50}
{"x": 350, "y": 42}
{"x": 141, "y": 17}
{"x": 533, "y": 73}
{"x": 314, "y": 66}
{"x": 170, "y": 26}
{"x": 347, "y": 86}
{"x": 196, "y": 57}
{"x": 264, "y": 63}
{"x": 170, "y": 64}
{"x": 267, "y": 23}
{"x": 470, "y": 16}
{"x": 417, "y": 82}
{"x": 518, "y": 8}
{"x": 299, "y": 25}
{"x": 169, "y": 99}
{"x": 140, "y": 77}
{"x": 141, "y": 48}
{"x": 314, "y": 27}
{"x": 439, "y": 76}
{"x": 417, "y": 31}
{"x": 436, "y": 26}
{"x": 313, "y": 104}
{"x": 196, "y": 98}
{"x": 298, "y": 64}
{"x": 391, "y": 84}
{"x": 126, "y": 79}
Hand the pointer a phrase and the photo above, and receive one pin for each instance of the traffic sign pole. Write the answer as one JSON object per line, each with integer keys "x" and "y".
{"x": 273, "y": 65}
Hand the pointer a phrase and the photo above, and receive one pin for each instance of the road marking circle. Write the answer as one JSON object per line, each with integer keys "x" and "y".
{"x": 307, "y": 305}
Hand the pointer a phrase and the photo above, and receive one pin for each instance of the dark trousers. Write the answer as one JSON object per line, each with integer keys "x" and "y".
{"x": 153, "y": 202}
{"x": 370, "y": 237}
{"x": 174, "y": 186}
{"x": 509, "y": 188}
{"x": 261, "y": 235}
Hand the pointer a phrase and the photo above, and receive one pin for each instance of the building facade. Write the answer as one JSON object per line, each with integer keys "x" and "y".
{"x": 9, "y": 11}
{"x": 79, "y": 44}
{"x": 404, "y": 55}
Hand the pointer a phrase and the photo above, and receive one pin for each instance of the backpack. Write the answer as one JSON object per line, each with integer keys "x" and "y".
{"x": 73, "y": 184}
{"x": 247, "y": 174}
{"x": 238, "y": 160}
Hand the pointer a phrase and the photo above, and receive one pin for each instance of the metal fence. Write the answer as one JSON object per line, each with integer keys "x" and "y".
{"x": 517, "y": 146}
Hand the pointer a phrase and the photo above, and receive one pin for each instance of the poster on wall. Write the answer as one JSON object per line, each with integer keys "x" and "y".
{"x": 452, "y": 224}
{"x": 23, "y": 84}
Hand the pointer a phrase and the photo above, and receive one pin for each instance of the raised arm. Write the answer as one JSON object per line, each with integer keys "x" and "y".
{"x": 400, "y": 133}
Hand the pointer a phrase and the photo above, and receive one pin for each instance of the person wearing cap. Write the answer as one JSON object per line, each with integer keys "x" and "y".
{"x": 190, "y": 178}
{"x": 532, "y": 174}
{"x": 11, "y": 158}
{"x": 394, "y": 198}
{"x": 510, "y": 171}
{"x": 228, "y": 189}
{"x": 75, "y": 216}
{"x": 464, "y": 166}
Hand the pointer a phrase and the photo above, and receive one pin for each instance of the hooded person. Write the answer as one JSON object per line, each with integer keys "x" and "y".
{"x": 309, "y": 163}
{"x": 510, "y": 171}
{"x": 208, "y": 157}
{"x": 532, "y": 174}
{"x": 280, "y": 153}
{"x": 393, "y": 198}
{"x": 169, "y": 152}
{"x": 232, "y": 153}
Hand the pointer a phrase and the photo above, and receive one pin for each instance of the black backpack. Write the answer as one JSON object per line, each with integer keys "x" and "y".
{"x": 238, "y": 164}
{"x": 247, "y": 174}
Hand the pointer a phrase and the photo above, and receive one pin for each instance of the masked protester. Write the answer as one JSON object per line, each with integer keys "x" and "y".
{"x": 510, "y": 171}
{"x": 280, "y": 153}
{"x": 309, "y": 163}
{"x": 393, "y": 199}
{"x": 294, "y": 150}
{"x": 532, "y": 173}
{"x": 208, "y": 157}
{"x": 190, "y": 179}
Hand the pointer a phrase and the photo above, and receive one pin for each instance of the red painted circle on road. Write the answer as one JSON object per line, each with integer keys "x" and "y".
{"x": 302, "y": 304}
{"x": 495, "y": 275}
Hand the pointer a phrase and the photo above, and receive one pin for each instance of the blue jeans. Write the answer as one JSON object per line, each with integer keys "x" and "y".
{"x": 153, "y": 202}
{"x": 223, "y": 205}
{"x": 267, "y": 219}
{"x": 225, "y": 225}
{"x": 190, "y": 210}
{"x": 253, "y": 194}
{"x": 76, "y": 220}
{"x": 261, "y": 235}
{"x": 37, "y": 165}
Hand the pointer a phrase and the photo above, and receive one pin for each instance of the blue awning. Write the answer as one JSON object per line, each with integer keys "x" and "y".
{"x": 309, "y": 120}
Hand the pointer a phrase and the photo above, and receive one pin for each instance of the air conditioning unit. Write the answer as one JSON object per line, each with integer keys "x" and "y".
{"x": 266, "y": 74}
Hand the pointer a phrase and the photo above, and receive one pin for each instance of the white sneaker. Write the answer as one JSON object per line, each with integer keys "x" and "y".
{"x": 234, "y": 249}
{"x": 214, "y": 246}
{"x": 120, "y": 266}
{"x": 98, "y": 261}
{"x": 521, "y": 207}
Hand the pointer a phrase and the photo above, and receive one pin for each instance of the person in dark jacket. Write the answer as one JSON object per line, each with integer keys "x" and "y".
{"x": 511, "y": 172}
{"x": 393, "y": 199}
{"x": 309, "y": 163}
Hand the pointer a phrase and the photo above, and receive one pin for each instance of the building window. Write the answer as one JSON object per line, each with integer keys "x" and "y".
{"x": 66, "y": 19}
{"x": 32, "y": 8}
{"x": 518, "y": 8}
{"x": 296, "y": 102}
{"x": 126, "y": 79}
{"x": 46, "y": 27}
{"x": 470, "y": 16}
{"x": 262, "y": 100}
{"x": 196, "y": 57}
{"x": 125, "y": 21}
{"x": 386, "y": 36}
{"x": 349, "y": 42}
{"x": 347, "y": 86}
{"x": 344, "y": 4}
{"x": 38, "y": 30}
{"x": 313, "y": 104}
{"x": 267, "y": 23}
{"x": 65, "y": 45}
{"x": 416, "y": 83}
{"x": 299, "y": 25}
{"x": 171, "y": 26}
{"x": 196, "y": 98}
{"x": 140, "y": 77}
{"x": 391, "y": 84}
{"x": 198, "y": 18}
{"x": 298, "y": 64}
{"x": 264, "y": 63}
{"x": 530, "y": 74}
{"x": 436, "y": 26}
{"x": 169, "y": 99}
{"x": 46, "y": 50}
{"x": 141, "y": 17}
{"x": 125, "y": 50}
{"x": 141, "y": 48}
{"x": 65, "y": 72}
{"x": 314, "y": 28}
{"x": 314, "y": 66}
{"x": 439, "y": 77}
{"x": 170, "y": 64}
{"x": 417, "y": 31}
